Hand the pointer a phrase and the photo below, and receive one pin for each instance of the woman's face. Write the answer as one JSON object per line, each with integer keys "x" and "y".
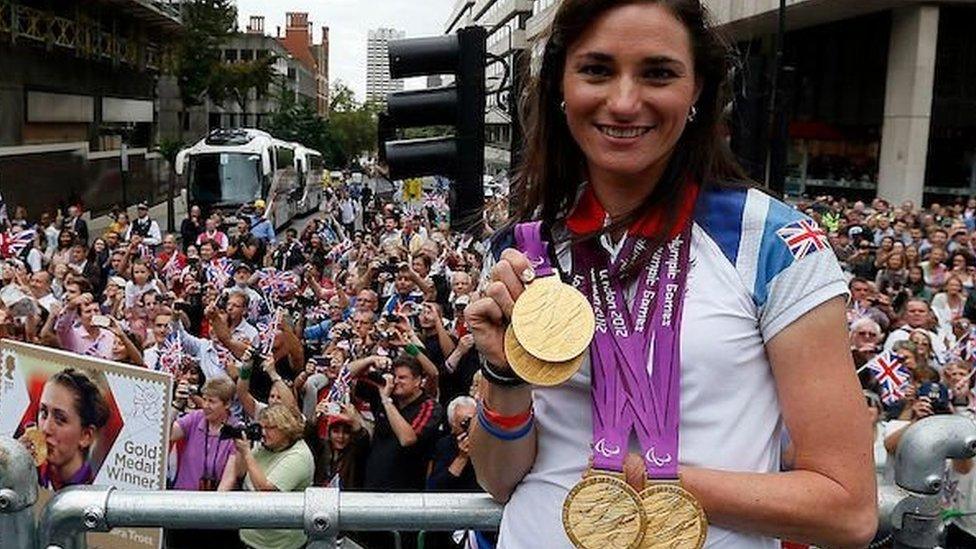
{"x": 215, "y": 409}
{"x": 58, "y": 419}
{"x": 629, "y": 85}
{"x": 953, "y": 286}
{"x": 65, "y": 238}
{"x": 140, "y": 274}
{"x": 921, "y": 343}
{"x": 959, "y": 262}
{"x": 272, "y": 437}
{"x": 99, "y": 245}
{"x": 339, "y": 436}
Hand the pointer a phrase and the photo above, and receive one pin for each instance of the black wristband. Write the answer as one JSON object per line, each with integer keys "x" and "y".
{"x": 495, "y": 378}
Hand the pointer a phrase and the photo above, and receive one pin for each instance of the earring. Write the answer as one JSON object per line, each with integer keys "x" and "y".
{"x": 692, "y": 114}
{"x": 562, "y": 106}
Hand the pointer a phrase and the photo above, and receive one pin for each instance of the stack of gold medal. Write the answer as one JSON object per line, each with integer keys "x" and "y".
{"x": 604, "y": 512}
{"x": 551, "y": 329}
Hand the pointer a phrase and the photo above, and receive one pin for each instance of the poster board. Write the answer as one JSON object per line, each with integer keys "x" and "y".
{"x": 128, "y": 451}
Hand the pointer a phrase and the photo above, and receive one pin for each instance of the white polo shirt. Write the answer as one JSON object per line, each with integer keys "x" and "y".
{"x": 746, "y": 283}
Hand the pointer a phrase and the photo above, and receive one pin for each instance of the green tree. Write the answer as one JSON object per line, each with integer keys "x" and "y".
{"x": 235, "y": 81}
{"x": 299, "y": 121}
{"x": 206, "y": 25}
{"x": 354, "y": 123}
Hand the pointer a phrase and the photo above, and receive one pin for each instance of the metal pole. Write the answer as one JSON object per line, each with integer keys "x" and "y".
{"x": 914, "y": 505}
{"x": 776, "y": 159}
{"x": 18, "y": 493}
{"x": 321, "y": 512}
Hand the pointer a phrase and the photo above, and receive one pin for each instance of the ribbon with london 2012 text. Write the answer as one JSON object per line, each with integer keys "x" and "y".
{"x": 625, "y": 396}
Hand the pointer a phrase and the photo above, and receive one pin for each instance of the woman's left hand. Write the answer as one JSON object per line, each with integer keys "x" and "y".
{"x": 242, "y": 445}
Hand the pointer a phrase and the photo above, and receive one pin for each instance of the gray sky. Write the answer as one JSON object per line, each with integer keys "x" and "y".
{"x": 348, "y": 22}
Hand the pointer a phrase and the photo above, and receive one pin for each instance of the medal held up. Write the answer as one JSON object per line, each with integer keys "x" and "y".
{"x": 552, "y": 322}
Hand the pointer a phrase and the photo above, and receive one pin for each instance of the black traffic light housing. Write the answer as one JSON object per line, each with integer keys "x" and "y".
{"x": 461, "y": 156}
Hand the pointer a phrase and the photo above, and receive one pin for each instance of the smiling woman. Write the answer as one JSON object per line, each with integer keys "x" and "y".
{"x": 707, "y": 294}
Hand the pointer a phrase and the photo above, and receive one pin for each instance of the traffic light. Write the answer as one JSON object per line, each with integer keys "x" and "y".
{"x": 459, "y": 157}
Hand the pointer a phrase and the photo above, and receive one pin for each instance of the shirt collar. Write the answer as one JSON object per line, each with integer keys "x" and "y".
{"x": 589, "y": 216}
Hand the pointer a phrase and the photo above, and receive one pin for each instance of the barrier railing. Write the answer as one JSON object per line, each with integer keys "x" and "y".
{"x": 909, "y": 512}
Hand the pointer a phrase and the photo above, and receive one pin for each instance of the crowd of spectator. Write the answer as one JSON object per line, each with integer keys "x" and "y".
{"x": 333, "y": 355}
{"x": 912, "y": 309}
{"x": 339, "y": 355}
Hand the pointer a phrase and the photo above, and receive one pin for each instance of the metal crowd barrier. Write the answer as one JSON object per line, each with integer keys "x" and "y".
{"x": 909, "y": 512}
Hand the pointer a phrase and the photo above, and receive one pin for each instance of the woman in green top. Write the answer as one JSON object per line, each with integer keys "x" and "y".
{"x": 282, "y": 462}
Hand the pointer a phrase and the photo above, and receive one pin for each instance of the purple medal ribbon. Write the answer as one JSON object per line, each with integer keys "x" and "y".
{"x": 528, "y": 240}
{"x": 624, "y": 395}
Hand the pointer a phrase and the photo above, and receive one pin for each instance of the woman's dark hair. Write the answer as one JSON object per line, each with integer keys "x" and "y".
{"x": 89, "y": 402}
{"x": 65, "y": 244}
{"x": 967, "y": 257}
{"x": 553, "y": 166}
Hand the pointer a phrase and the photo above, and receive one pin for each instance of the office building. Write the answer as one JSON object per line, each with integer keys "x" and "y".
{"x": 378, "y": 81}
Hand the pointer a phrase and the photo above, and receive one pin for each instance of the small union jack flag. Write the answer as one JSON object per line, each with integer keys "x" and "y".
{"x": 277, "y": 284}
{"x": 13, "y": 245}
{"x": 267, "y": 333}
{"x": 171, "y": 354}
{"x": 803, "y": 237}
{"x": 172, "y": 268}
{"x": 890, "y": 374}
{"x": 219, "y": 271}
{"x": 339, "y": 391}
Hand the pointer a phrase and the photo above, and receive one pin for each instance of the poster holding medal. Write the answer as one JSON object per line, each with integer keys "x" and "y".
{"x": 87, "y": 421}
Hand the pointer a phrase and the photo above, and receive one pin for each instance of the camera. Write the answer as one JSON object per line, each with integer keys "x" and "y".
{"x": 392, "y": 318}
{"x": 390, "y": 267}
{"x": 465, "y": 424}
{"x": 251, "y": 431}
{"x": 938, "y": 395}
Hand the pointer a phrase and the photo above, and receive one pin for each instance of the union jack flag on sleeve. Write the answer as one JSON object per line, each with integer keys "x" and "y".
{"x": 171, "y": 353}
{"x": 13, "y": 245}
{"x": 803, "y": 237}
{"x": 891, "y": 375}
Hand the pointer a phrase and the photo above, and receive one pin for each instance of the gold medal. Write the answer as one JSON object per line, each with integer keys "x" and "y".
{"x": 675, "y": 519}
{"x": 604, "y": 512}
{"x": 534, "y": 370}
{"x": 553, "y": 321}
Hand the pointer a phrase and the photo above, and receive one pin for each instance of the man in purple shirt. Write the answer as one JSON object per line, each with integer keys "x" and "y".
{"x": 77, "y": 333}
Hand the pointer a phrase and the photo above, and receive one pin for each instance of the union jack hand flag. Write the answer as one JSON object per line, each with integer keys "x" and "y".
{"x": 13, "y": 245}
{"x": 339, "y": 391}
{"x": 267, "y": 333}
{"x": 803, "y": 237}
{"x": 172, "y": 267}
{"x": 277, "y": 283}
{"x": 171, "y": 354}
{"x": 890, "y": 374}
{"x": 219, "y": 271}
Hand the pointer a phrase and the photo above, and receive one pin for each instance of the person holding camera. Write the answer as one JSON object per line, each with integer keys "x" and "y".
{"x": 282, "y": 462}
{"x": 451, "y": 469}
{"x": 78, "y": 332}
{"x": 406, "y": 423}
{"x": 206, "y": 459}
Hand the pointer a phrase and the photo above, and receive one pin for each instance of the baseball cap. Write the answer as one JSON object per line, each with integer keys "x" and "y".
{"x": 142, "y": 206}
{"x": 242, "y": 266}
{"x": 117, "y": 280}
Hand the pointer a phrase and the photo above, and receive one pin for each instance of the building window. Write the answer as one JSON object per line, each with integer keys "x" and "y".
{"x": 247, "y": 55}
{"x": 230, "y": 55}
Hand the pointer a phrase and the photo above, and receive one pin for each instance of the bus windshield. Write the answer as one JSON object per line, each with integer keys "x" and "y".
{"x": 224, "y": 178}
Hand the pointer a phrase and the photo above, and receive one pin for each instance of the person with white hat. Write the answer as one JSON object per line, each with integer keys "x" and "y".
{"x": 144, "y": 226}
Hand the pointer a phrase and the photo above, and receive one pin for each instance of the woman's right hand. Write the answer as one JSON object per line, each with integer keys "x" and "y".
{"x": 489, "y": 316}
{"x": 922, "y": 408}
